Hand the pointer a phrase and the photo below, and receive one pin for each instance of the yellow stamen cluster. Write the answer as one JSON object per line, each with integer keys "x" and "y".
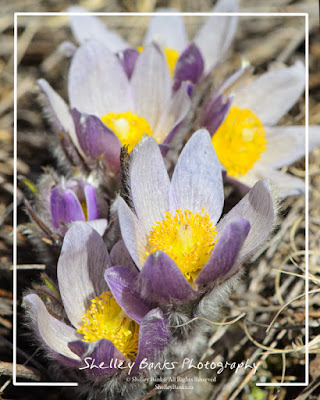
{"x": 106, "y": 320}
{"x": 171, "y": 55}
{"x": 188, "y": 238}
{"x": 84, "y": 209}
{"x": 129, "y": 127}
{"x": 239, "y": 141}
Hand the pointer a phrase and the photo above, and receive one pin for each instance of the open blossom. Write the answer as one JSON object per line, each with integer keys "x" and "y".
{"x": 248, "y": 143}
{"x": 89, "y": 322}
{"x": 108, "y": 110}
{"x": 186, "y": 61}
{"x": 173, "y": 234}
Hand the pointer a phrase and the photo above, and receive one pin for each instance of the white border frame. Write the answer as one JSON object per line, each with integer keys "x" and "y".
{"x": 122, "y": 14}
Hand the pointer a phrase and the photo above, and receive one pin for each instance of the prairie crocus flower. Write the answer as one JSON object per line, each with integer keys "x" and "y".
{"x": 186, "y": 61}
{"x": 109, "y": 111}
{"x": 249, "y": 144}
{"x": 173, "y": 234}
{"x": 58, "y": 202}
{"x": 86, "y": 323}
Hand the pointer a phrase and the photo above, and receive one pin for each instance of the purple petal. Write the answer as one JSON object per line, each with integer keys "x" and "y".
{"x": 161, "y": 281}
{"x": 173, "y": 114}
{"x": 53, "y": 333}
{"x": 122, "y": 281}
{"x": 215, "y": 36}
{"x": 149, "y": 183}
{"x": 256, "y": 207}
{"x": 97, "y": 140}
{"x": 189, "y": 66}
{"x": 128, "y": 59}
{"x": 91, "y": 88}
{"x": 91, "y": 202}
{"x": 119, "y": 255}
{"x": 81, "y": 266}
{"x": 65, "y": 207}
{"x": 88, "y": 27}
{"x": 151, "y": 84}
{"x": 98, "y": 357}
{"x": 226, "y": 251}
{"x": 197, "y": 178}
{"x": 154, "y": 336}
{"x": 214, "y": 112}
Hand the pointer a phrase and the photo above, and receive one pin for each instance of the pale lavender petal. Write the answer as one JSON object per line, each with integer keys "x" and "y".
{"x": 214, "y": 112}
{"x": 256, "y": 207}
{"x": 89, "y": 27}
{"x": 97, "y": 140}
{"x": 168, "y": 31}
{"x": 128, "y": 59}
{"x": 161, "y": 281}
{"x": 286, "y": 144}
{"x": 119, "y": 255}
{"x": 100, "y": 225}
{"x": 197, "y": 178}
{"x": 154, "y": 336}
{"x": 80, "y": 270}
{"x": 122, "y": 282}
{"x": 91, "y": 88}
{"x": 189, "y": 66}
{"x": 59, "y": 114}
{"x": 223, "y": 258}
{"x": 149, "y": 183}
{"x": 151, "y": 84}
{"x": 216, "y": 35}
{"x": 91, "y": 202}
{"x": 273, "y": 94}
{"x": 54, "y": 333}
{"x": 132, "y": 232}
{"x": 173, "y": 113}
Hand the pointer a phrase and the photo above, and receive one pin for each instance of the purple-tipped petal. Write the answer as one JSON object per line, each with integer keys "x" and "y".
{"x": 197, "y": 178}
{"x": 214, "y": 112}
{"x": 168, "y": 31}
{"x": 216, "y": 35}
{"x": 149, "y": 183}
{"x": 88, "y": 27}
{"x": 154, "y": 336}
{"x": 79, "y": 347}
{"x": 189, "y": 66}
{"x": 173, "y": 114}
{"x": 128, "y": 59}
{"x": 132, "y": 232}
{"x": 53, "y": 333}
{"x": 225, "y": 253}
{"x": 256, "y": 207}
{"x": 151, "y": 84}
{"x": 65, "y": 207}
{"x": 122, "y": 281}
{"x": 81, "y": 266}
{"x": 97, "y": 81}
{"x": 161, "y": 281}
{"x": 119, "y": 255}
{"x": 97, "y": 140}
{"x": 91, "y": 202}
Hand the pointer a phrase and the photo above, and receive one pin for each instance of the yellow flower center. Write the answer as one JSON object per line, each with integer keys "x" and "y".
{"x": 171, "y": 55}
{"x": 106, "y": 320}
{"x": 129, "y": 127}
{"x": 188, "y": 238}
{"x": 239, "y": 141}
